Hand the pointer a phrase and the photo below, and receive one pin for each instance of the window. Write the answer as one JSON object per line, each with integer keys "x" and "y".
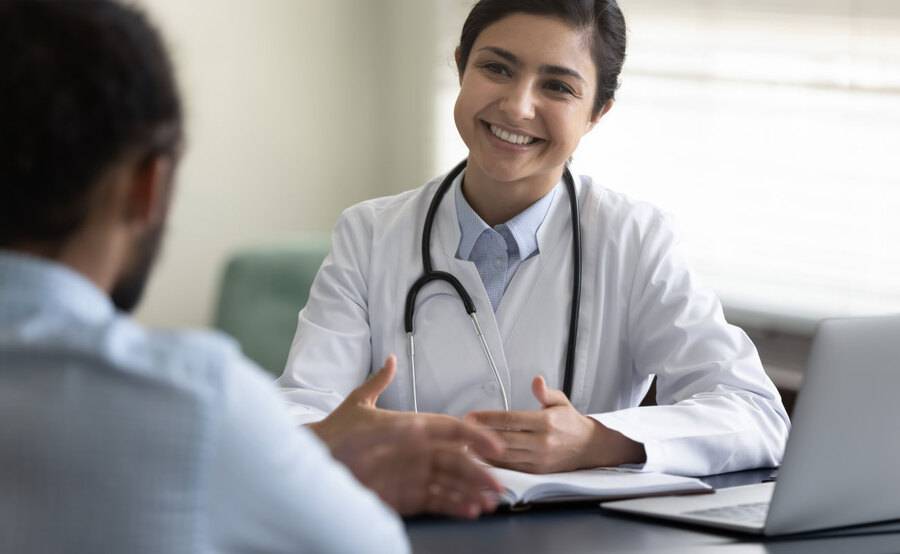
{"x": 770, "y": 129}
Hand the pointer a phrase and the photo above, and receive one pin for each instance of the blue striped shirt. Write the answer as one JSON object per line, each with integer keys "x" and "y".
{"x": 117, "y": 438}
{"x": 498, "y": 251}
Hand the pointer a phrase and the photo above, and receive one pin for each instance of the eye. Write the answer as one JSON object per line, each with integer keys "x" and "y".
{"x": 559, "y": 87}
{"x": 496, "y": 68}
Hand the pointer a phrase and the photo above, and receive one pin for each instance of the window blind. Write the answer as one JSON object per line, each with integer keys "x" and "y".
{"x": 770, "y": 130}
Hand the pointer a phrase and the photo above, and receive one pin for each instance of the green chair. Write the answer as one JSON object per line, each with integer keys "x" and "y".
{"x": 261, "y": 292}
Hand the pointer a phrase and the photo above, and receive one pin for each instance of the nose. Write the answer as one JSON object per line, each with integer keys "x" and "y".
{"x": 518, "y": 101}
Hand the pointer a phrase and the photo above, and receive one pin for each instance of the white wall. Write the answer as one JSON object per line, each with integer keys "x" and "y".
{"x": 286, "y": 128}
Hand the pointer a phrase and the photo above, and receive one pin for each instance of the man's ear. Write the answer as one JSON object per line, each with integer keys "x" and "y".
{"x": 596, "y": 118}
{"x": 457, "y": 55}
{"x": 148, "y": 195}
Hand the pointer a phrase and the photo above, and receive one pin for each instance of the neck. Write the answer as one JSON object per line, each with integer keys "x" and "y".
{"x": 95, "y": 256}
{"x": 497, "y": 202}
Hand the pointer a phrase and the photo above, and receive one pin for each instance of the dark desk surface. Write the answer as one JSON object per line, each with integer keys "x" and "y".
{"x": 590, "y": 529}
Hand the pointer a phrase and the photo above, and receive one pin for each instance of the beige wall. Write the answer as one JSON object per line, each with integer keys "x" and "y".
{"x": 300, "y": 108}
{"x": 296, "y": 109}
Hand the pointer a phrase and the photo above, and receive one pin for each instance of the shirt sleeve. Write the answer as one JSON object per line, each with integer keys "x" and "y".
{"x": 331, "y": 351}
{"x": 274, "y": 488}
{"x": 718, "y": 410}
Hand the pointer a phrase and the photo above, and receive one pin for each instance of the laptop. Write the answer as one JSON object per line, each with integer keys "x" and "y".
{"x": 841, "y": 466}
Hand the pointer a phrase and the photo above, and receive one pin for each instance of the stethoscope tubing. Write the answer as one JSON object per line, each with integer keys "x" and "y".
{"x": 575, "y": 311}
{"x": 429, "y": 275}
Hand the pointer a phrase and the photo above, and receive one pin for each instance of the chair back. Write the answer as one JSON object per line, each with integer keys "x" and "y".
{"x": 262, "y": 291}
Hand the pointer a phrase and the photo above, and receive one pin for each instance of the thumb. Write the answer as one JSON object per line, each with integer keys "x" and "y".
{"x": 368, "y": 392}
{"x": 545, "y": 395}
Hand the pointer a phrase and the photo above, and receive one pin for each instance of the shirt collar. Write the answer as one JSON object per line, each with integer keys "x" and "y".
{"x": 523, "y": 227}
{"x": 35, "y": 280}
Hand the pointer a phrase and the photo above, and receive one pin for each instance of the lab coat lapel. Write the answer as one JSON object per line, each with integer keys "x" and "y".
{"x": 531, "y": 274}
{"x": 537, "y": 303}
{"x": 443, "y": 251}
{"x": 527, "y": 314}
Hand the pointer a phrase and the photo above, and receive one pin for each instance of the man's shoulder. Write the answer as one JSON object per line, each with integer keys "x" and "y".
{"x": 195, "y": 358}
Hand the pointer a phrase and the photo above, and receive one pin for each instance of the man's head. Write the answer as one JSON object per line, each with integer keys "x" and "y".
{"x": 90, "y": 131}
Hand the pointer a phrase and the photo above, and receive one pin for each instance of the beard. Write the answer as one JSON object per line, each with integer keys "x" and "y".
{"x": 127, "y": 291}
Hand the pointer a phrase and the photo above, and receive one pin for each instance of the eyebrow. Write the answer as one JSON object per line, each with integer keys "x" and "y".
{"x": 545, "y": 69}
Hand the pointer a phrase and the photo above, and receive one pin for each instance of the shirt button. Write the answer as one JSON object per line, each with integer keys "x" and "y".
{"x": 499, "y": 263}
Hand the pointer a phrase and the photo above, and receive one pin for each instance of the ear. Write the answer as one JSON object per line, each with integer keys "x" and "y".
{"x": 596, "y": 118}
{"x": 149, "y": 192}
{"x": 457, "y": 55}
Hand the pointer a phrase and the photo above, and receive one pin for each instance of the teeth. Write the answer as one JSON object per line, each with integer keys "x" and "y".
{"x": 511, "y": 138}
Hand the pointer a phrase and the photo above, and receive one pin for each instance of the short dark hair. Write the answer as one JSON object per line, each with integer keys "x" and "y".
{"x": 82, "y": 84}
{"x": 602, "y": 19}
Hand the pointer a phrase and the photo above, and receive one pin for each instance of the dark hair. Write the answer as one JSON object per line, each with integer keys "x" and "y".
{"x": 82, "y": 84}
{"x": 601, "y": 18}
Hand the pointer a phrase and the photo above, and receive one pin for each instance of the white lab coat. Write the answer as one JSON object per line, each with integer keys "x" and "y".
{"x": 642, "y": 314}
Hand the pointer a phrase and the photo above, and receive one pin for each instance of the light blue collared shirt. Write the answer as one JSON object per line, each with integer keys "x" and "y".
{"x": 116, "y": 438}
{"x": 499, "y": 251}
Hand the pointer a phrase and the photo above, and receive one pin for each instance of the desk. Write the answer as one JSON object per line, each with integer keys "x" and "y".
{"x": 590, "y": 529}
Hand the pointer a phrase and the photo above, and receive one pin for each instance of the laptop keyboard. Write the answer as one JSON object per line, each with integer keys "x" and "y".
{"x": 754, "y": 512}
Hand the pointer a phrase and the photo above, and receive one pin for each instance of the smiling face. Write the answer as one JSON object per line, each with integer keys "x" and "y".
{"x": 525, "y": 101}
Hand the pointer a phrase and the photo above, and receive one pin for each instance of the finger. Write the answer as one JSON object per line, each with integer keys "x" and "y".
{"x": 509, "y": 421}
{"x": 519, "y": 465}
{"x": 461, "y": 468}
{"x": 545, "y": 395}
{"x": 514, "y": 456}
{"x": 471, "y": 481}
{"x": 483, "y": 442}
{"x": 467, "y": 489}
{"x": 368, "y": 392}
{"x": 520, "y": 440}
{"x": 442, "y": 501}
{"x": 485, "y": 500}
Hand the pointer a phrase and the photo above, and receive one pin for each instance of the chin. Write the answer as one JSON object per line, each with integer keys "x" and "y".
{"x": 500, "y": 170}
{"x": 508, "y": 176}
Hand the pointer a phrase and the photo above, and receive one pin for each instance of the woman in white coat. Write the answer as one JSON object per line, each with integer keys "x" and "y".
{"x": 535, "y": 75}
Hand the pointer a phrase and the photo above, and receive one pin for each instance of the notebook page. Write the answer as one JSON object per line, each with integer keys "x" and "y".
{"x": 591, "y": 483}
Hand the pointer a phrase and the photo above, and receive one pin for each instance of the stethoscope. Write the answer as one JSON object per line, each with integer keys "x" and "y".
{"x": 429, "y": 274}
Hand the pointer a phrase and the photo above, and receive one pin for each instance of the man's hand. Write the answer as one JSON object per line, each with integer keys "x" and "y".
{"x": 416, "y": 463}
{"x": 557, "y": 437}
{"x": 358, "y": 408}
{"x": 421, "y": 465}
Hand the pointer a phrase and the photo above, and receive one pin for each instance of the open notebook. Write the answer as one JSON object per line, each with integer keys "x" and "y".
{"x": 591, "y": 484}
